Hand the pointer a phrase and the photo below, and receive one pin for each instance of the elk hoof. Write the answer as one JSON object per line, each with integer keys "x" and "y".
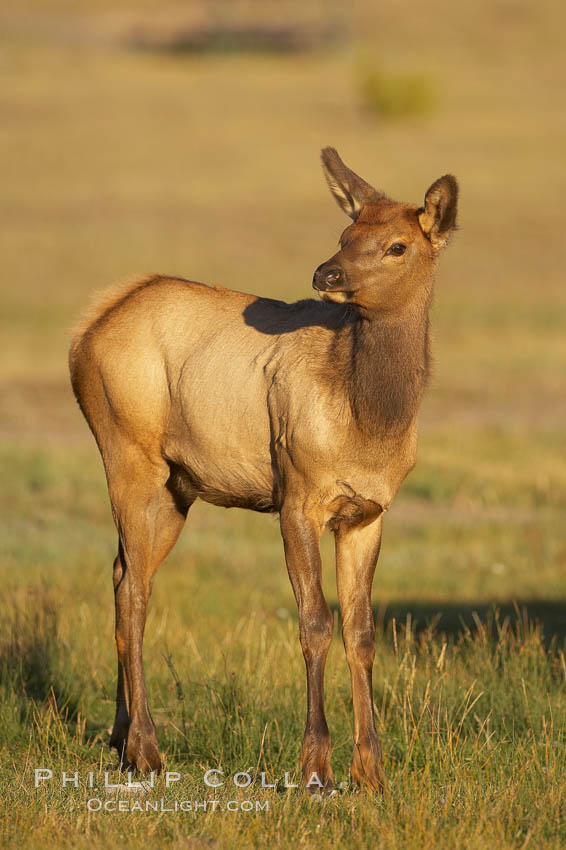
{"x": 369, "y": 776}
{"x": 367, "y": 768}
{"x": 119, "y": 737}
{"x": 119, "y": 743}
{"x": 143, "y": 754}
{"x": 316, "y": 766}
{"x": 321, "y": 794}
{"x": 319, "y": 781}
{"x": 317, "y": 792}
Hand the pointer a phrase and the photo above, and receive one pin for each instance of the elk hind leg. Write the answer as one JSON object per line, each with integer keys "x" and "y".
{"x": 149, "y": 517}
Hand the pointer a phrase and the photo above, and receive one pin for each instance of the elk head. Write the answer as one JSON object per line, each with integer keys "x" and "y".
{"x": 389, "y": 253}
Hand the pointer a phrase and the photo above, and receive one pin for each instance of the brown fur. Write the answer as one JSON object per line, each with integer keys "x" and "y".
{"x": 308, "y": 409}
{"x": 384, "y": 374}
{"x": 102, "y": 303}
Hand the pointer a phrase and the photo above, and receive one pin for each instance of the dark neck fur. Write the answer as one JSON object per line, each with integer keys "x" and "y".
{"x": 387, "y": 364}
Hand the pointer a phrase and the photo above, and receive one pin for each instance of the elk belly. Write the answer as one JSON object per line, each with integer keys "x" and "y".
{"x": 222, "y": 448}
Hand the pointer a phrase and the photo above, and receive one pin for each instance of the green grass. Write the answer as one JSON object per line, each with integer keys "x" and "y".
{"x": 472, "y": 729}
{"x": 117, "y": 161}
{"x": 471, "y": 706}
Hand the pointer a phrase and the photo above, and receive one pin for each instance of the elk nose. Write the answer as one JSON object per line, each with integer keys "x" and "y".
{"x": 326, "y": 278}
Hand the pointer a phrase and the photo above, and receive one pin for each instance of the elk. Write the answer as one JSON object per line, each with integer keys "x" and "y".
{"x": 308, "y": 410}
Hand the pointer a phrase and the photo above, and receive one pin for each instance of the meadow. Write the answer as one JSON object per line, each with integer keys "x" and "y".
{"x": 117, "y": 160}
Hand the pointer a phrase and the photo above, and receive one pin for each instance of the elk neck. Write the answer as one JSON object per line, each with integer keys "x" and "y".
{"x": 384, "y": 360}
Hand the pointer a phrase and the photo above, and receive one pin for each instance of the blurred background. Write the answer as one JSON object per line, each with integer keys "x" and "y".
{"x": 184, "y": 139}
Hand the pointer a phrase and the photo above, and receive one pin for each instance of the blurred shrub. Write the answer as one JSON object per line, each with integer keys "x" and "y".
{"x": 226, "y": 38}
{"x": 392, "y": 95}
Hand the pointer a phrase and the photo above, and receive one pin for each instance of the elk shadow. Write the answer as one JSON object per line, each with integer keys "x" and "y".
{"x": 35, "y": 665}
{"x": 455, "y": 619}
{"x": 273, "y": 317}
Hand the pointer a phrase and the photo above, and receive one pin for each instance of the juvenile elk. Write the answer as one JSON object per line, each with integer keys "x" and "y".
{"x": 308, "y": 410}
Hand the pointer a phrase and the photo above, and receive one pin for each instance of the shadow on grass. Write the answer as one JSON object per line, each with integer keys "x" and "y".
{"x": 34, "y": 663}
{"x": 27, "y": 658}
{"x": 454, "y": 619}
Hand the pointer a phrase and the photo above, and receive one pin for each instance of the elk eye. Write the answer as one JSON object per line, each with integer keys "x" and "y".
{"x": 396, "y": 250}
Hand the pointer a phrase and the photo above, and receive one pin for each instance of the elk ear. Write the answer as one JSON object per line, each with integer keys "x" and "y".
{"x": 438, "y": 216}
{"x": 350, "y": 191}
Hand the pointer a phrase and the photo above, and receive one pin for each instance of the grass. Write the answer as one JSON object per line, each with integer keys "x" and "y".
{"x": 469, "y": 688}
{"x": 119, "y": 161}
{"x": 473, "y": 734}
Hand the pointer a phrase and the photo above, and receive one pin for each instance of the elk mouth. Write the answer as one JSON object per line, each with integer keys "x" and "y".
{"x": 335, "y": 296}
{"x": 331, "y": 283}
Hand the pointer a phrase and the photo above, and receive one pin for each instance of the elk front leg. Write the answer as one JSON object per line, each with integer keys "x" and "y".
{"x": 301, "y": 538}
{"x": 357, "y": 550}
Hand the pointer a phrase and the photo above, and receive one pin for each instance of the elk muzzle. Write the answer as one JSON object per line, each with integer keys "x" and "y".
{"x": 328, "y": 277}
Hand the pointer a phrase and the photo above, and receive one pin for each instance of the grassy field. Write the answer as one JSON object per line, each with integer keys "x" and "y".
{"x": 117, "y": 160}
